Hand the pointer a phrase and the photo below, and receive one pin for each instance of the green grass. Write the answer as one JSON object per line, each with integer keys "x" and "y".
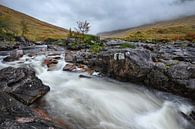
{"x": 96, "y": 47}
{"x": 127, "y": 45}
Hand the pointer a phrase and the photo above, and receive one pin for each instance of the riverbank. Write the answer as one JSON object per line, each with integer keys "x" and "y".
{"x": 167, "y": 67}
{"x": 19, "y": 89}
{"x": 81, "y": 100}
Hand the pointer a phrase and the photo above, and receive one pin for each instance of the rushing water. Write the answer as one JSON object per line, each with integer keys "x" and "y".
{"x": 101, "y": 103}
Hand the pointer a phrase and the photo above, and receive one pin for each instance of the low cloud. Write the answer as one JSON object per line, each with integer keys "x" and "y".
{"x": 104, "y": 15}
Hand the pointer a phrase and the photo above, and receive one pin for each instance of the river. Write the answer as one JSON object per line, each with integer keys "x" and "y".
{"x": 103, "y": 103}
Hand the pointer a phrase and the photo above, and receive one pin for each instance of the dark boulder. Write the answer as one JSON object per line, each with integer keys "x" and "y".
{"x": 14, "y": 56}
{"x": 23, "y": 41}
{"x": 15, "y": 115}
{"x": 125, "y": 64}
{"x": 22, "y": 84}
{"x": 11, "y": 58}
{"x": 84, "y": 76}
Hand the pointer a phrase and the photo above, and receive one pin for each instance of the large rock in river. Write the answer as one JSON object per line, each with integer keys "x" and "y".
{"x": 15, "y": 115}
{"x": 22, "y": 84}
{"x": 14, "y": 56}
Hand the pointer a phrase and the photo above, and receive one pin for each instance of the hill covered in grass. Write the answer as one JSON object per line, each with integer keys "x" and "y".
{"x": 33, "y": 29}
{"x": 179, "y": 29}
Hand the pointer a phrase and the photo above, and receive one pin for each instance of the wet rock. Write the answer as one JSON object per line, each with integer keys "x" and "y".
{"x": 15, "y": 115}
{"x": 179, "y": 71}
{"x": 11, "y": 58}
{"x": 81, "y": 56}
{"x": 51, "y": 63}
{"x": 69, "y": 56}
{"x": 14, "y": 56}
{"x": 57, "y": 58}
{"x": 42, "y": 114}
{"x": 192, "y": 116}
{"x": 69, "y": 67}
{"x": 22, "y": 84}
{"x": 55, "y": 48}
{"x": 84, "y": 76}
{"x": 166, "y": 67}
{"x": 125, "y": 65}
{"x": 157, "y": 78}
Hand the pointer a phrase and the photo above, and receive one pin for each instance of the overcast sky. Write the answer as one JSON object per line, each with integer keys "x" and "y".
{"x": 104, "y": 15}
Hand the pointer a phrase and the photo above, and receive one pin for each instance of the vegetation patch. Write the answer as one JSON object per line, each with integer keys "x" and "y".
{"x": 168, "y": 31}
{"x": 127, "y": 45}
{"x": 33, "y": 29}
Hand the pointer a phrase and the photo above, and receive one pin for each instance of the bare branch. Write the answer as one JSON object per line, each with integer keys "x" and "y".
{"x": 83, "y": 26}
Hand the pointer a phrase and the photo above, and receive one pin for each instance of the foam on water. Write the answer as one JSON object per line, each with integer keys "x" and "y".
{"x": 102, "y": 103}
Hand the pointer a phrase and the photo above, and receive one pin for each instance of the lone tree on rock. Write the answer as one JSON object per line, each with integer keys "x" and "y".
{"x": 83, "y": 27}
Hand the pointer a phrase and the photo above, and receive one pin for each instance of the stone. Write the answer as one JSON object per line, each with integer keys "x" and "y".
{"x": 15, "y": 115}
{"x": 14, "y": 56}
{"x": 69, "y": 57}
{"x": 51, "y": 63}
{"x": 84, "y": 76}
{"x": 69, "y": 67}
{"x": 22, "y": 84}
{"x": 179, "y": 71}
{"x": 166, "y": 67}
{"x": 55, "y": 48}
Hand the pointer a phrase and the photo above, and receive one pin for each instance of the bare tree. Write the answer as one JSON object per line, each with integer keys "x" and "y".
{"x": 83, "y": 27}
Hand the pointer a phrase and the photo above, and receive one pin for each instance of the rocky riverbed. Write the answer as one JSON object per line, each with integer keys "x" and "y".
{"x": 20, "y": 88}
{"x": 82, "y": 100}
{"x": 168, "y": 67}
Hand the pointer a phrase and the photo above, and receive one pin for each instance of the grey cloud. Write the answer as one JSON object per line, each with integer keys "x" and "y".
{"x": 104, "y": 15}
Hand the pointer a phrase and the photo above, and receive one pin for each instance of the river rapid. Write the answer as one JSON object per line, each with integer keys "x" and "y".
{"x": 103, "y": 103}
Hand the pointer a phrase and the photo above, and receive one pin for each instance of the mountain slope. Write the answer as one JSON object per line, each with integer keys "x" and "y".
{"x": 36, "y": 29}
{"x": 178, "y": 29}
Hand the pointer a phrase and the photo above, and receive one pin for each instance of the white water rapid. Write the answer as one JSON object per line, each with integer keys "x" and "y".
{"x": 100, "y": 103}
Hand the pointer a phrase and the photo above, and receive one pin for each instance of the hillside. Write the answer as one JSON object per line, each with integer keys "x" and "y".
{"x": 36, "y": 29}
{"x": 179, "y": 29}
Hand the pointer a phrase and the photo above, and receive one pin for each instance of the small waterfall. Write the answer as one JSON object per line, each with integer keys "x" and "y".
{"x": 100, "y": 103}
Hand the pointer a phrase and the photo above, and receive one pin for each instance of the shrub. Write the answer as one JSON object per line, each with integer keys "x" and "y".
{"x": 190, "y": 36}
{"x": 74, "y": 45}
{"x": 176, "y": 38}
{"x": 96, "y": 48}
{"x": 59, "y": 42}
{"x": 7, "y": 36}
{"x": 88, "y": 39}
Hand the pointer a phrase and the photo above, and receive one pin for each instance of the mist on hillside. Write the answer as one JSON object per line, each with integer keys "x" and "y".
{"x": 104, "y": 15}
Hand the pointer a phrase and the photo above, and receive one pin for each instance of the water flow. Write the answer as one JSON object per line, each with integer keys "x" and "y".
{"x": 103, "y": 103}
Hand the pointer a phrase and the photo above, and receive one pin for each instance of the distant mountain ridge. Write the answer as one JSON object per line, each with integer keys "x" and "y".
{"x": 37, "y": 29}
{"x": 169, "y": 30}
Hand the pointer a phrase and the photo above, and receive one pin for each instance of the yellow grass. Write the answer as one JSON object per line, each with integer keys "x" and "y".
{"x": 37, "y": 30}
{"x": 168, "y": 30}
